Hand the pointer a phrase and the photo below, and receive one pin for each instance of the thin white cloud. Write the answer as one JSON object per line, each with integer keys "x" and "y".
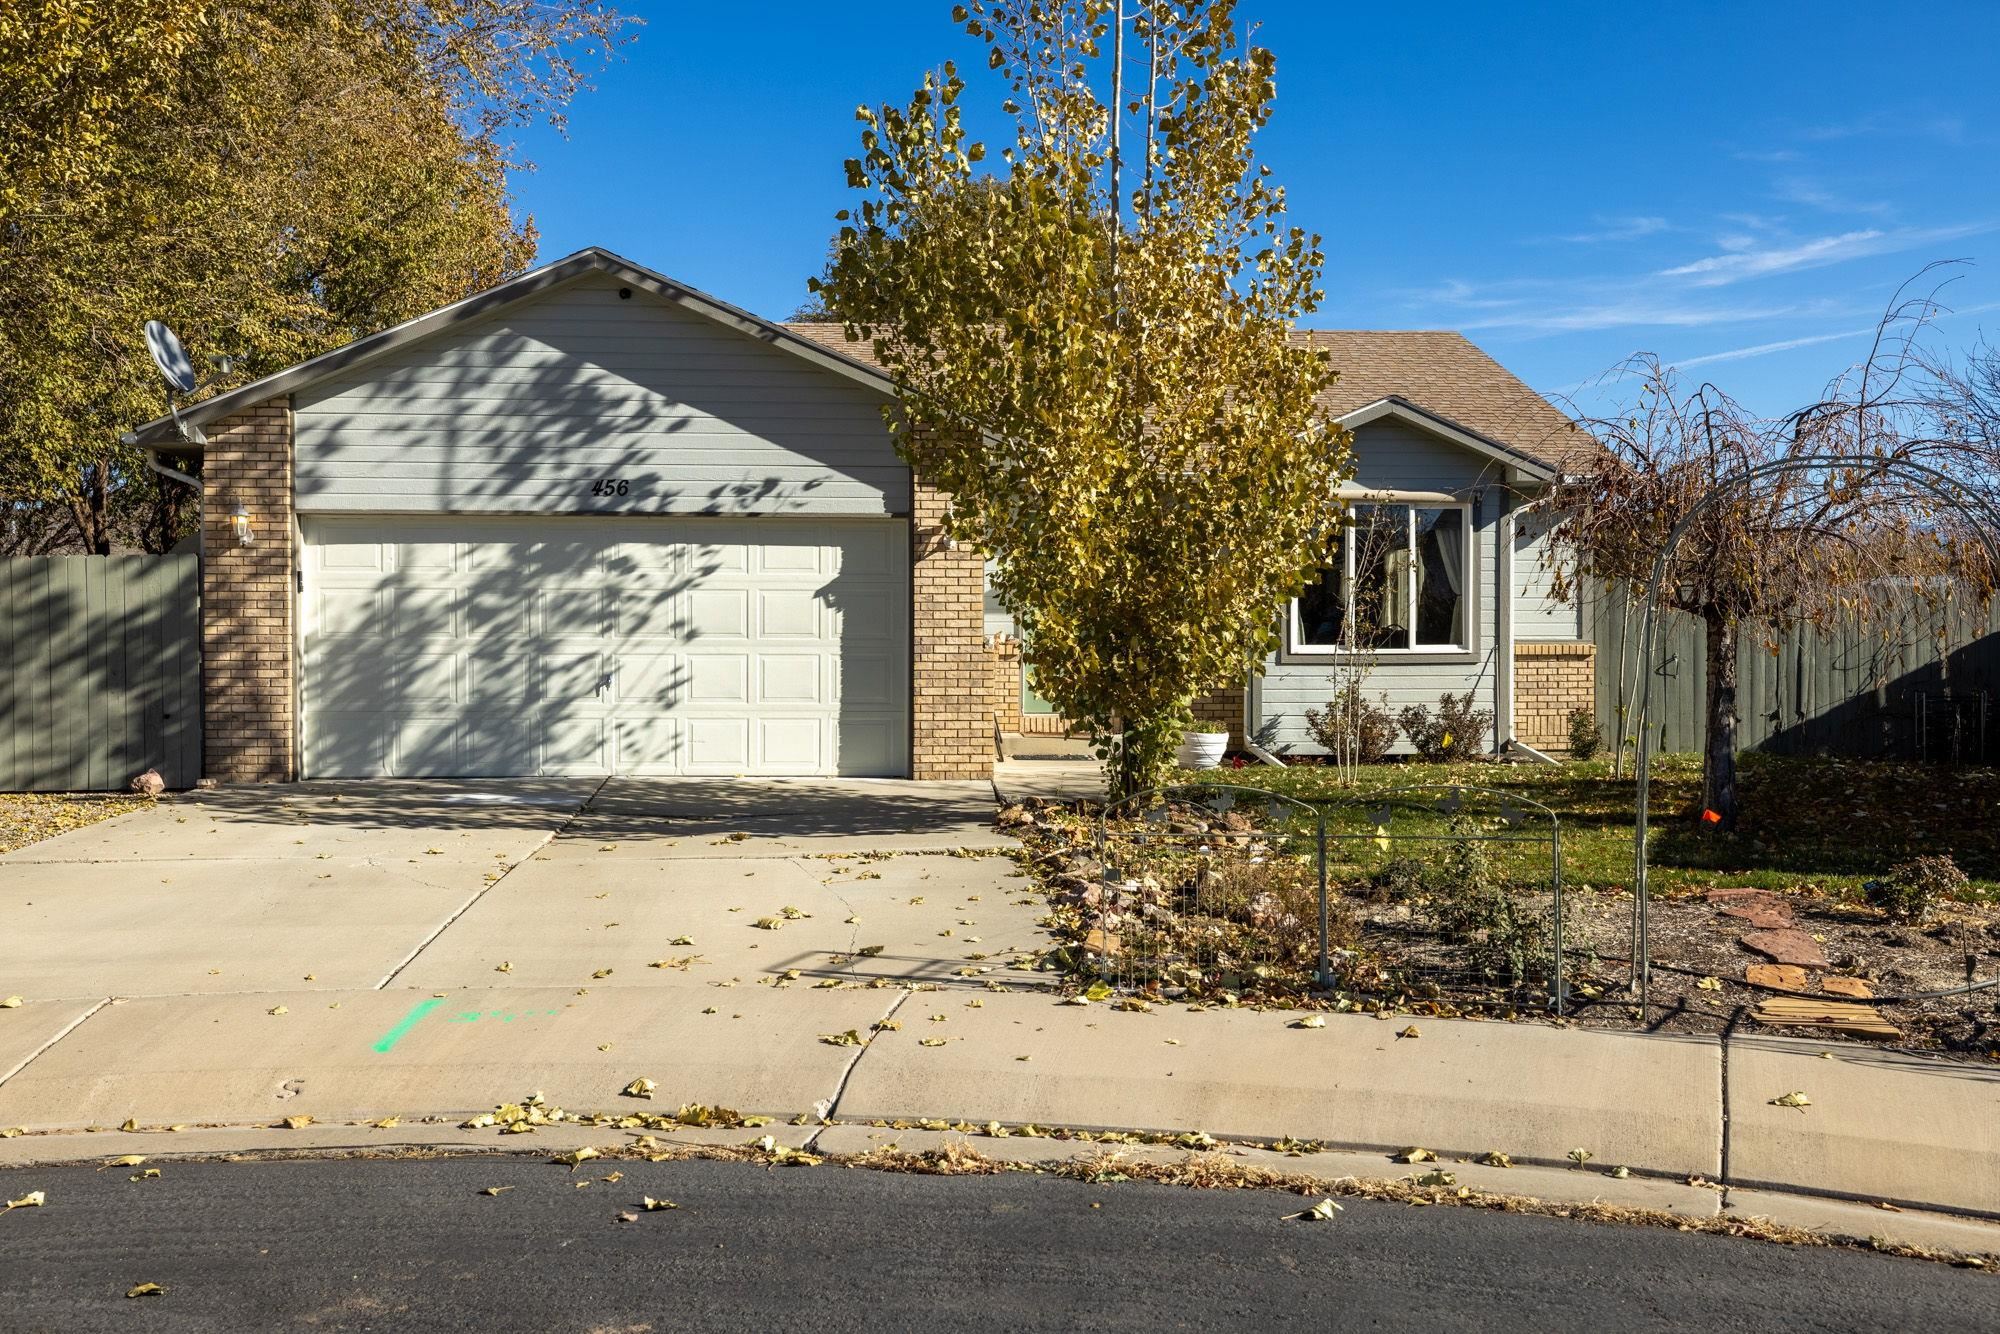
{"x": 1812, "y": 194}
{"x": 1739, "y": 264}
{"x": 1619, "y": 229}
{"x": 1765, "y": 349}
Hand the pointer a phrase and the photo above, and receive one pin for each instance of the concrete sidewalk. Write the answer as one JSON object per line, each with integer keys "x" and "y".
{"x": 350, "y": 955}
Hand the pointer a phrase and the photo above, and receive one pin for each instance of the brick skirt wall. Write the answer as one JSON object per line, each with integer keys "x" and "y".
{"x": 1550, "y": 680}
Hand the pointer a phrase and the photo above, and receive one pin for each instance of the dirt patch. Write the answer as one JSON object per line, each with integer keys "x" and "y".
{"x": 30, "y": 817}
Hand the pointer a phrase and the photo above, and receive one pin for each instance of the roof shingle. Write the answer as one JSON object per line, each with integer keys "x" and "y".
{"x": 1437, "y": 370}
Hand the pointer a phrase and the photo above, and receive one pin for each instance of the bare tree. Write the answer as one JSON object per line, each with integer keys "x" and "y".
{"x": 1834, "y": 510}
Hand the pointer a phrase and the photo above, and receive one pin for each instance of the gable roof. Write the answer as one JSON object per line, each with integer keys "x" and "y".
{"x": 161, "y": 433}
{"x": 1441, "y": 374}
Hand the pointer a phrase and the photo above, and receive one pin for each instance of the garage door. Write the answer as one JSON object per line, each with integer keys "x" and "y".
{"x": 438, "y": 647}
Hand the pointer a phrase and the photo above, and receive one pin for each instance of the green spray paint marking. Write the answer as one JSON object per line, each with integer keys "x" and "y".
{"x": 417, "y": 1011}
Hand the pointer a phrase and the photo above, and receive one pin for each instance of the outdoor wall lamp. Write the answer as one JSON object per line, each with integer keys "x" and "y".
{"x": 240, "y": 521}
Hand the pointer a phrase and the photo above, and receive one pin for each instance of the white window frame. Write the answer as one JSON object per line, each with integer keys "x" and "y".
{"x": 1296, "y": 629}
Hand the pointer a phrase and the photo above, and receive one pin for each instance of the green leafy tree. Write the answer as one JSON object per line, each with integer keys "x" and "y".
{"x": 1094, "y": 355}
{"x": 272, "y": 177}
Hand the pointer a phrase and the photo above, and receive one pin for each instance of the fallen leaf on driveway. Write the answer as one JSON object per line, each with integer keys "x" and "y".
{"x": 930, "y": 1042}
{"x": 601, "y": 973}
{"x": 131, "y": 1125}
{"x": 850, "y": 1038}
{"x": 1310, "y": 1021}
{"x": 296, "y": 1122}
{"x": 1415, "y": 1156}
{"x": 146, "y": 1290}
{"x": 1496, "y": 1159}
{"x": 682, "y": 940}
{"x": 504, "y": 966}
{"x": 1798, "y": 1100}
{"x": 767, "y": 924}
{"x": 11, "y": 1003}
{"x": 1580, "y": 1156}
{"x": 1410, "y": 1032}
{"x": 1322, "y": 1212}
{"x": 279, "y": 1009}
{"x": 387, "y": 1123}
{"x": 640, "y": 1088}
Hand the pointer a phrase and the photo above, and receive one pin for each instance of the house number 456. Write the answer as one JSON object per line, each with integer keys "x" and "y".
{"x": 608, "y": 486}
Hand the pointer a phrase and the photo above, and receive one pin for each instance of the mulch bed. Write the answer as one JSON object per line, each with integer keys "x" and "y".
{"x": 30, "y": 817}
{"x": 1840, "y": 953}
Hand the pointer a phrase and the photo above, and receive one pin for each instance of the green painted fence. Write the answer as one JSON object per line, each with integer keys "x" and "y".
{"x": 100, "y": 671}
{"x": 1922, "y": 682}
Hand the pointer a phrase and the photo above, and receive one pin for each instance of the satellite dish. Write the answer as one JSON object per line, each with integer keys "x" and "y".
{"x": 170, "y": 356}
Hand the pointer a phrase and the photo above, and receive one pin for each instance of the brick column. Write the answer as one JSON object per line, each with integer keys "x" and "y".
{"x": 951, "y": 724}
{"x": 1223, "y": 705}
{"x": 246, "y": 599}
{"x": 1551, "y": 679}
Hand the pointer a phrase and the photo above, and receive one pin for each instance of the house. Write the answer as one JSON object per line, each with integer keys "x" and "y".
{"x": 1454, "y": 458}
{"x": 594, "y": 521}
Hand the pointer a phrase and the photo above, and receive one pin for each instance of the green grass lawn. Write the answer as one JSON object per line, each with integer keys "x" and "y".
{"x": 1808, "y": 823}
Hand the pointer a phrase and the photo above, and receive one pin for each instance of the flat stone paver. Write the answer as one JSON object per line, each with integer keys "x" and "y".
{"x": 137, "y": 928}
{"x": 1880, "y": 1125}
{"x": 227, "y": 1059}
{"x": 557, "y": 922}
{"x": 1459, "y": 1088}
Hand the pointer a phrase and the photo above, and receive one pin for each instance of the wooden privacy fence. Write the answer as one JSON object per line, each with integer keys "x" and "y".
{"x": 100, "y": 671}
{"x": 1922, "y": 682}
{"x": 1919, "y": 683}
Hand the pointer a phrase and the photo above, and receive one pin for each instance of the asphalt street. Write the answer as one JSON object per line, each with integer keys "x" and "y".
{"x": 416, "y": 1245}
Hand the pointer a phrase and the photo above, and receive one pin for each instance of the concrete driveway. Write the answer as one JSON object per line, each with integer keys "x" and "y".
{"x": 358, "y": 885}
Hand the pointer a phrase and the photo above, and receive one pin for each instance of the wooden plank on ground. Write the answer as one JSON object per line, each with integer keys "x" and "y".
{"x": 1815, "y": 1012}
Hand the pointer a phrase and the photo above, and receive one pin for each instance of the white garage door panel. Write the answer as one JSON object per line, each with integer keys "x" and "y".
{"x": 493, "y": 647}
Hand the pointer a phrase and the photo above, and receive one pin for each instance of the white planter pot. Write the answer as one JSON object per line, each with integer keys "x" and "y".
{"x": 1201, "y": 750}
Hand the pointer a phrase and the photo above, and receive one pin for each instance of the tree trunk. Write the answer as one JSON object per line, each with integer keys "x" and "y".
{"x": 1718, "y": 768}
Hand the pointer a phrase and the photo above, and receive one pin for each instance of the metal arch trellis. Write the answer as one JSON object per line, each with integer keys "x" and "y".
{"x": 1941, "y": 486}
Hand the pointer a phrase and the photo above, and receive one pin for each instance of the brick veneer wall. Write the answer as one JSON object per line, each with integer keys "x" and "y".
{"x": 246, "y": 599}
{"x": 951, "y": 670}
{"x": 1549, "y": 681}
{"x": 1223, "y": 706}
{"x": 1005, "y": 700}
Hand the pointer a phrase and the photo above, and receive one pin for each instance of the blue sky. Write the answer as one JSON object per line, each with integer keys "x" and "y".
{"x": 1738, "y": 188}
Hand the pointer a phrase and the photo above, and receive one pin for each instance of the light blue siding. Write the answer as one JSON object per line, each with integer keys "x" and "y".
{"x": 525, "y": 411}
{"x": 1394, "y": 455}
{"x": 1538, "y": 613}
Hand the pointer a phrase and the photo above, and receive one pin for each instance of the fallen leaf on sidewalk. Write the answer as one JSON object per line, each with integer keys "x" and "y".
{"x": 1621, "y": 1173}
{"x": 496, "y": 1190}
{"x": 296, "y": 1122}
{"x": 131, "y": 1125}
{"x": 279, "y": 1009}
{"x": 640, "y": 1088}
{"x": 930, "y": 1042}
{"x": 1437, "y": 1178}
{"x": 1798, "y": 1100}
{"x": 1132, "y": 1005}
{"x": 1580, "y": 1156}
{"x": 601, "y": 973}
{"x": 34, "y": 1199}
{"x": 13, "y": 1132}
{"x": 504, "y": 966}
{"x": 387, "y": 1123}
{"x": 146, "y": 1290}
{"x": 11, "y": 1003}
{"x": 1410, "y": 1032}
{"x": 850, "y": 1038}
{"x": 1496, "y": 1159}
{"x": 767, "y": 924}
{"x": 682, "y": 940}
{"x": 1322, "y": 1212}
{"x": 1310, "y": 1021}
{"x": 1414, "y": 1156}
